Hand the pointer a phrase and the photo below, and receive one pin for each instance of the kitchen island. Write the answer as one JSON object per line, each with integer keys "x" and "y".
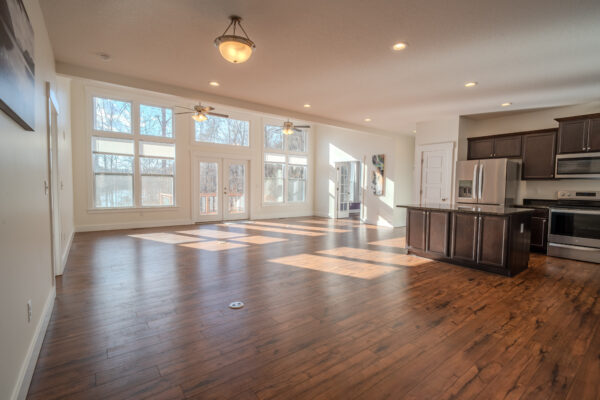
{"x": 491, "y": 238}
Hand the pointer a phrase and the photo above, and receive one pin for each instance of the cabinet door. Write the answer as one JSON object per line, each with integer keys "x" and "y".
{"x": 416, "y": 229}
{"x": 464, "y": 236}
{"x": 593, "y": 142}
{"x": 572, "y": 136}
{"x": 509, "y": 146}
{"x": 438, "y": 224}
{"x": 481, "y": 148}
{"x": 538, "y": 232}
{"x": 492, "y": 240}
{"x": 539, "y": 155}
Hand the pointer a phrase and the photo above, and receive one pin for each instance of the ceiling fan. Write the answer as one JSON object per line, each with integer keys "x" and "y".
{"x": 289, "y": 127}
{"x": 200, "y": 112}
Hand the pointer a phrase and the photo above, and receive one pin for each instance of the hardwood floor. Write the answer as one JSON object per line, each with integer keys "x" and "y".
{"x": 332, "y": 311}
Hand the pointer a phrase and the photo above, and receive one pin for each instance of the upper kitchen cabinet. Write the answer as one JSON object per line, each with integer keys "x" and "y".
{"x": 481, "y": 148}
{"x": 494, "y": 147}
{"x": 539, "y": 151}
{"x": 579, "y": 134}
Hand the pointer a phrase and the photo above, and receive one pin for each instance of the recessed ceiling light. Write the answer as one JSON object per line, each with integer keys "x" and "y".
{"x": 367, "y": 119}
{"x": 399, "y": 46}
{"x": 470, "y": 84}
{"x": 214, "y": 83}
{"x": 414, "y": 131}
{"x": 506, "y": 104}
{"x": 307, "y": 105}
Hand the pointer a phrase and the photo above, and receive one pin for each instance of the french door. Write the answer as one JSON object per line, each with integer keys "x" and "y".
{"x": 342, "y": 190}
{"x": 220, "y": 189}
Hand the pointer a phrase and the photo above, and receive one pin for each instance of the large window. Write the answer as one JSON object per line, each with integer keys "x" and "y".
{"x": 285, "y": 166}
{"x": 132, "y": 165}
{"x": 223, "y": 131}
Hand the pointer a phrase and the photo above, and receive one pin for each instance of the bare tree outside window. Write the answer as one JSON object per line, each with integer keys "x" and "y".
{"x": 112, "y": 115}
{"x": 223, "y": 131}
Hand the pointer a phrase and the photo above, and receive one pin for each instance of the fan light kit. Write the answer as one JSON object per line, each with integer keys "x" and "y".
{"x": 289, "y": 128}
{"x": 201, "y": 112}
{"x": 235, "y": 48}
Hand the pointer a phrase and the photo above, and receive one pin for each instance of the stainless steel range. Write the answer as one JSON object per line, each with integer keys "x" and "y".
{"x": 575, "y": 226}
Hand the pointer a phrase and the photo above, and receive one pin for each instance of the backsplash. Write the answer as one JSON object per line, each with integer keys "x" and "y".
{"x": 547, "y": 189}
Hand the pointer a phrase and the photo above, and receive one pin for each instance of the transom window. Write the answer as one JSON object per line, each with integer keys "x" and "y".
{"x": 285, "y": 166}
{"x": 221, "y": 130}
{"x": 132, "y": 165}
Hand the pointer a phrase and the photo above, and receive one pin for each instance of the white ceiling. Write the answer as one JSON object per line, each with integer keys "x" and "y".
{"x": 336, "y": 54}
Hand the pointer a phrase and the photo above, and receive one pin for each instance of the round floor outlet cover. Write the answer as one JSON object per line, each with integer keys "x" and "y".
{"x": 236, "y": 305}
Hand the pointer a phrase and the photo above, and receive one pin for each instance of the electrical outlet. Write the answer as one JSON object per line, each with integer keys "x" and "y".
{"x": 29, "y": 310}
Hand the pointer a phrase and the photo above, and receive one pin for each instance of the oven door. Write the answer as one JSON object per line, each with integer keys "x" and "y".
{"x": 584, "y": 165}
{"x": 575, "y": 227}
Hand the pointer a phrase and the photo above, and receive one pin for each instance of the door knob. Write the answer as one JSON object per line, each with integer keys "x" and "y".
{"x": 444, "y": 199}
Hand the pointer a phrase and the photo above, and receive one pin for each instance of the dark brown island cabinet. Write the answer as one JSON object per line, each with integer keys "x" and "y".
{"x": 491, "y": 238}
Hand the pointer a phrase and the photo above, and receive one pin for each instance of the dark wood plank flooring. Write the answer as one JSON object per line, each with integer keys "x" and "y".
{"x": 333, "y": 311}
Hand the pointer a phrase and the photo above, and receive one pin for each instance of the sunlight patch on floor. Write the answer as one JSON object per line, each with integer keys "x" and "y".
{"x": 273, "y": 229}
{"x": 214, "y": 245}
{"x": 258, "y": 239}
{"x": 214, "y": 234}
{"x": 338, "y": 266}
{"x": 399, "y": 242}
{"x": 292, "y": 226}
{"x": 164, "y": 237}
{"x": 375, "y": 256}
{"x": 339, "y": 222}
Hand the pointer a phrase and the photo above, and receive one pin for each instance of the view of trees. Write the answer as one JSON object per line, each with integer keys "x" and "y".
{"x": 112, "y": 115}
{"x": 223, "y": 131}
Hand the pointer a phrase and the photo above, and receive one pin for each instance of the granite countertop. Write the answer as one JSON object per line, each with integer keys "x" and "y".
{"x": 470, "y": 208}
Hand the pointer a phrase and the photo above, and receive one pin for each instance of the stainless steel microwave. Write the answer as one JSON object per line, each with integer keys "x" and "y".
{"x": 580, "y": 165}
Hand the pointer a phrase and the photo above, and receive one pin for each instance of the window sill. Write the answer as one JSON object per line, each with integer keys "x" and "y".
{"x": 131, "y": 209}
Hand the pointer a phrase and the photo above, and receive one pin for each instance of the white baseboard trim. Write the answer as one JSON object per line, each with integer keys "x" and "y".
{"x": 28, "y": 366}
{"x": 132, "y": 225}
{"x": 65, "y": 255}
{"x": 322, "y": 214}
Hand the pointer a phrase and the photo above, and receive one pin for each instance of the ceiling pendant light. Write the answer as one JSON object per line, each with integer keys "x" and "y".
{"x": 234, "y": 48}
{"x": 288, "y": 128}
{"x": 199, "y": 117}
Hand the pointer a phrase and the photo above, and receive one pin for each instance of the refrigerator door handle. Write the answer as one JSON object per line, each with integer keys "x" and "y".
{"x": 480, "y": 182}
{"x": 475, "y": 187}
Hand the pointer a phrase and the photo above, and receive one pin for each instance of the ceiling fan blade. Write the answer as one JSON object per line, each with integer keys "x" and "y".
{"x": 302, "y": 126}
{"x": 187, "y": 108}
{"x": 296, "y": 129}
{"x": 217, "y": 114}
{"x": 186, "y": 112}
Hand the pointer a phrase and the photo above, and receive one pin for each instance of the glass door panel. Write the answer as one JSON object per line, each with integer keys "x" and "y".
{"x": 208, "y": 189}
{"x": 235, "y": 196}
{"x": 343, "y": 189}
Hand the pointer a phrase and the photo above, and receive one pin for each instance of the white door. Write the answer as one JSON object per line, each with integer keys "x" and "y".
{"x": 436, "y": 174}
{"x": 220, "y": 190}
{"x": 342, "y": 189}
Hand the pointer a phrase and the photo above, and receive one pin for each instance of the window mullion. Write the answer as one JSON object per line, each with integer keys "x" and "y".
{"x": 137, "y": 180}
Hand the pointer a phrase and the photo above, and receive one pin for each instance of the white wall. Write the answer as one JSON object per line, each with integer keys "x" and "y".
{"x": 433, "y": 132}
{"x": 337, "y": 144}
{"x": 25, "y": 268}
{"x": 526, "y": 121}
{"x": 87, "y": 219}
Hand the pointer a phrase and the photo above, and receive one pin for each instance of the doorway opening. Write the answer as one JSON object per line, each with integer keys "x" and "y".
{"x": 348, "y": 189}
{"x": 51, "y": 184}
{"x": 220, "y": 191}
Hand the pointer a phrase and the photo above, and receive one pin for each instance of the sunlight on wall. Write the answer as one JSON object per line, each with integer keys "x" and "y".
{"x": 337, "y": 266}
{"x": 164, "y": 237}
{"x": 375, "y": 256}
{"x": 337, "y": 155}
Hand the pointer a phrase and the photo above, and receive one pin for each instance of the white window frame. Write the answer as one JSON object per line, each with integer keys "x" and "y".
{"x": 287, "y": 154}
{"x": 136, "y": 100}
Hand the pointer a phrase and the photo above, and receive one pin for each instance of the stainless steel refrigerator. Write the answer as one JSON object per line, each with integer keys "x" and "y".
{"x": 493, "y": 181}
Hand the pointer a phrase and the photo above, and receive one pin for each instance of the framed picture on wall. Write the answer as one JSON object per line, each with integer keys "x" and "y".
{"x": 377, "y": 174}
{"x": 17, "y": 66}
